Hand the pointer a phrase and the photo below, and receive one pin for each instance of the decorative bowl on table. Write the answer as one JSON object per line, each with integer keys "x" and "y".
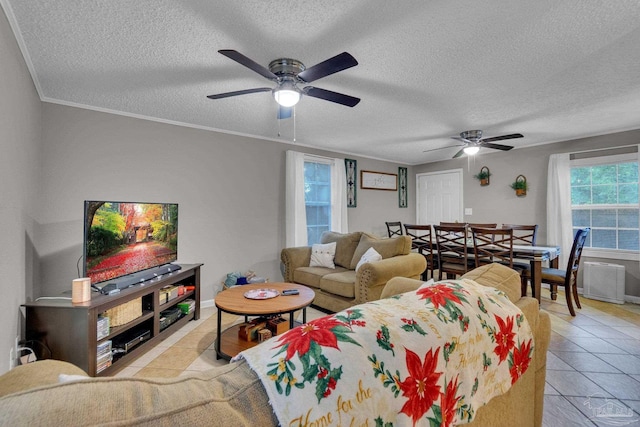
{"x": 261, "y": 294}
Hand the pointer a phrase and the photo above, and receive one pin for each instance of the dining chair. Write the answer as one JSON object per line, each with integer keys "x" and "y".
{"x": 569, "y": 277}
{"x": 422, "y": 242}
{"x": 452, "y": 224}
{"x": 523, "y": 234}
{"x": 483, "y": 225}
{"x": 492, "y": 245}
{"x": 451, "y": 243}
{"x": 394, "y": 228}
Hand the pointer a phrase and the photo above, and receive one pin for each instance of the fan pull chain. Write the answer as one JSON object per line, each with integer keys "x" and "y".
{"x": 278, "y": 121}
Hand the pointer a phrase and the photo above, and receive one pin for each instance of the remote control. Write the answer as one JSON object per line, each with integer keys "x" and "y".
{"x": 290, "y": 292}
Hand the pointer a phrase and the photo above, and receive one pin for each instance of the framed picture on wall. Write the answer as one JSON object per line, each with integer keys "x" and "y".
{"x": 351, "y": 167}
{"x": 402, "y": 187}
{"x": 378, "y": 181}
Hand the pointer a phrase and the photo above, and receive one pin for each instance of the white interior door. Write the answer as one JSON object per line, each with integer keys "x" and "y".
{"x": 439, "y": 197}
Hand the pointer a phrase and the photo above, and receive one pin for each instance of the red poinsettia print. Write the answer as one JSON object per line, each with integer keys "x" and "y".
{"x": 504, "y": 338}
{"x": 421, "y": 386}
{"x": 438, "y": 294}
{"x": 449, "y": 402}
{"x": 319, "y": 331}
{"x": 519, "y": 361}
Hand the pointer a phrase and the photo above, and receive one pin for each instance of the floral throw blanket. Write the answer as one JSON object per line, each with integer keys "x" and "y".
{"x": 429, "y": 357}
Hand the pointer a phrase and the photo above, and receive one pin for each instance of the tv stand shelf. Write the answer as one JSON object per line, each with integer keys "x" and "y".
{"x": 69, "y": 331}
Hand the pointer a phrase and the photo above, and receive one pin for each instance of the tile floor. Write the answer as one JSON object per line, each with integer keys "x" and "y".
{"x": 593, "y": 362}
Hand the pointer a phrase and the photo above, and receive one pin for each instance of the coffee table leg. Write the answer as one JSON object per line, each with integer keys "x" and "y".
{"x": 304, "y": 315}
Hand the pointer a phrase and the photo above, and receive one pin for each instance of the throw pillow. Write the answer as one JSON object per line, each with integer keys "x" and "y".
{"x": 346, "y": 245}
{"x": 65, "y": 378}
{"x": 386, "y": 247}
{"x": 371, "y": 255}
{"x": 322, "y": 255}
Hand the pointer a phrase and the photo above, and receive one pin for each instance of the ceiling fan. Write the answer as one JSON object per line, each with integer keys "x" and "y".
{"x": 473, "y": 141}
{"x": 288, "y": 73}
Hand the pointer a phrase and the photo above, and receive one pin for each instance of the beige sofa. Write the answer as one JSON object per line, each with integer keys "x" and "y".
{"x": 343, "y": 287}
{"x": 233, "y": 395}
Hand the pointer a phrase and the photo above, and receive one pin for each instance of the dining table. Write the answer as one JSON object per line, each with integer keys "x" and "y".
{"x": 536, "y": 256}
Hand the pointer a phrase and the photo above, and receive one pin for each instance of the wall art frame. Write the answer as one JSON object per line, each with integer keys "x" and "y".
{"x": 370, "y": 180}
{"x": 351, "y": 167}
{"x": 402, "y": 187}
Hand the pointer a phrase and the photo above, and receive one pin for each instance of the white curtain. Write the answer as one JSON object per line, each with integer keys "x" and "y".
{"x": 559, "y": 223}
{"x": 339, "y": 197}
{"x": 295, "y": 215}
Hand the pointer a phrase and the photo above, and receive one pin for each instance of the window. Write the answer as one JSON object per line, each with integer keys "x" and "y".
{"x": 604, "y": 196}
{"x": 317, "y": 198}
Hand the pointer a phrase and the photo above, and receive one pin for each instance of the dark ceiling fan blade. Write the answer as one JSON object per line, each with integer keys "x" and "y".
{"x": 330, "y": 66}
{"x": 458, "y": 154}
{"x": 442, "y": 148}
{"x": 249, "y": 63}
{"x": 284, "y": 112}
{"x": 501, "y": 138}
{"x": 496, "y": 146}
{"x": 239, "y": 92}
{"x": 327, "y": 95}
{"x": 459, "y": 138}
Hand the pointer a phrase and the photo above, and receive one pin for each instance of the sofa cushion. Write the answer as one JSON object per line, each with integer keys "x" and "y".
{"x": 310, "y": 276}
{"x": 342, "y": 283}
{"x": 370, "y": 256}
{"x": 388, "y": 248}
{"x": 345, "y": 246}
{"x": 322, "y": 255}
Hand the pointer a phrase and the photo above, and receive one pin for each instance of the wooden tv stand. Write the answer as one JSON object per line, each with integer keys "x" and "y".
{"x": 69, "y": 331}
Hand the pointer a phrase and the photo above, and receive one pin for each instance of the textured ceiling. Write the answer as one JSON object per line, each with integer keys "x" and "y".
{"x": 551, "y": 70}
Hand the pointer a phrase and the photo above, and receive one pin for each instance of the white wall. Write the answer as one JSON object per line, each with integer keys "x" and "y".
{"x": 230, "y": 192}
{"x": 19, "y": 165}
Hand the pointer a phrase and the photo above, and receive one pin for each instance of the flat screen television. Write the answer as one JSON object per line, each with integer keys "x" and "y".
{"x": 124, "y": 238}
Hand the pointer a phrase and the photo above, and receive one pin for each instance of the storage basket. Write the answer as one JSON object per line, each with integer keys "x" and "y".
{"x": 124, "y": 313}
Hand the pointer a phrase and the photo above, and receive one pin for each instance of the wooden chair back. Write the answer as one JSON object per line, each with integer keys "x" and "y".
{"x": 451, "y": 243}
{"x": 576, "y": 253}
{"x": 493, "y": 245}
{"x": 394, "y": 228}
{"x": 422, "y": 241}
{"x": 523, "y": 234}
{"x": 483, "y": 225}
{"x": 569, "y": 277}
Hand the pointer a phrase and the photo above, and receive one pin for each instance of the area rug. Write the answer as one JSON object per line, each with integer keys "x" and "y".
{"x": 199, "y": 343}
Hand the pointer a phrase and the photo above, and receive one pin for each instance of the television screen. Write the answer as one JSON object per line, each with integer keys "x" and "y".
{"x": 123, "y": 238}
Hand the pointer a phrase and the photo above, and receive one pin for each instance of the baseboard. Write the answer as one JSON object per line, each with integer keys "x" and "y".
{"x": 627, "y": 298}
{"x": 632, "y": 299}
{"x": 208, "y": 303}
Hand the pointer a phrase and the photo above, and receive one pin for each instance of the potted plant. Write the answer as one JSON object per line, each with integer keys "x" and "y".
{"x": 483, "y": 176}
{"x": 520, "y": 185}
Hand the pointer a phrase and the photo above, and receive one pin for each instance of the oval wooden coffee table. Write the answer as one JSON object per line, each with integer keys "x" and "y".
{"x": 233, "y": 301}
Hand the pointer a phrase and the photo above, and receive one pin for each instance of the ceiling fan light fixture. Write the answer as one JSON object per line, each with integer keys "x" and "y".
{"x": 287, "y": 94}
{"x": 286, "y": 97}
{"x": 471, "y": 150}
